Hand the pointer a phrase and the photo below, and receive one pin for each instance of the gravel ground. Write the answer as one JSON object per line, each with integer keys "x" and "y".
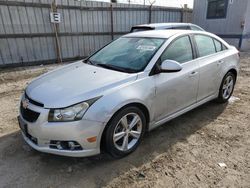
{"x": 185, "y": 152}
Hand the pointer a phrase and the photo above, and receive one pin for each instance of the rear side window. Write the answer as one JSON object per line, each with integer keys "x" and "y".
{"x": 180, "y": 50}
{"x": 224, "y": 47}
{"x": 205, "y": 45}
{"x": 218, "y": 45}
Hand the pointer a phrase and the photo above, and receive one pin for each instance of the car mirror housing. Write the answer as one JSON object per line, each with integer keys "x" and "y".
{"x": 170, "y": 66}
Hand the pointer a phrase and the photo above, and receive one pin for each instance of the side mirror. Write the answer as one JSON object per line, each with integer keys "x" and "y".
{"x": 170, "y": 66}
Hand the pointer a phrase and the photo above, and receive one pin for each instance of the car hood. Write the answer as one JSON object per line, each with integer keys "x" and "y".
{"x": 75, "y": 83}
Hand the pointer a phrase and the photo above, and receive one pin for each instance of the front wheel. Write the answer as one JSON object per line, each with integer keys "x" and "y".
{"x": 226, "y": 88}
{"x": 125, "y": 131}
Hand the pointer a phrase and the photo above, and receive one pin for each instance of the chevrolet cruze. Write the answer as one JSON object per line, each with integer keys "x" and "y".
{"x": 132, "y": 85}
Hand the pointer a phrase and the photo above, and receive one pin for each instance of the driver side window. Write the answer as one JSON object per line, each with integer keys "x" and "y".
{"x": 180, "y": 50}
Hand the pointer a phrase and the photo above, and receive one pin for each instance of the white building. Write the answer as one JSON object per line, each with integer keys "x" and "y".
{"x": 229, "y": 19}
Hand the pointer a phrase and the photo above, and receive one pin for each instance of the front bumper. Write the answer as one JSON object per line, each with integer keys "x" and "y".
{"x": 83, "y": 153}
{"x": 79, "y": 131}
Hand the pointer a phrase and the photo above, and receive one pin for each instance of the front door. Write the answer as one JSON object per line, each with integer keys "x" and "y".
{"x": 178, "y": 90}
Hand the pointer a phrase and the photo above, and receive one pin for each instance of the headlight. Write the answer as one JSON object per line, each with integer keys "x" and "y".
{"x": 72, "y": 113}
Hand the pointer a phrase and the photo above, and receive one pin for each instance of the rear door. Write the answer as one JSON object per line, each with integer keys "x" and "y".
{"x": 210, "y": 65}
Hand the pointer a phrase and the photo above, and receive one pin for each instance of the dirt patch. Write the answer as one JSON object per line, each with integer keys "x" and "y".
{"x": 12, "y": 84}
{"x": 184, "y": 152}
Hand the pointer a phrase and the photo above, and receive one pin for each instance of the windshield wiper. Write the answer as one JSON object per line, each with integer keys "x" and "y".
{"x": 88, "y": 61}
{"x": 113, "y": 67}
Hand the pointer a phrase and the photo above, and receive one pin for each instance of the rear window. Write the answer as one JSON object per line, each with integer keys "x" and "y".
{"x": 181, "y": 27}
{"x": 194, "y": 28}
{"x": 205, "y": 45}
{"x": 137, "y": 29}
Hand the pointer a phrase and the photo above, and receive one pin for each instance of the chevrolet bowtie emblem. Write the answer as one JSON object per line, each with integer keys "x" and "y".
{"x": 25, "y": 103}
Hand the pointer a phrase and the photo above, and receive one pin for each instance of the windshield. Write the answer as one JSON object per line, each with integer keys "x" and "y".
{"x": 127, "y": 54}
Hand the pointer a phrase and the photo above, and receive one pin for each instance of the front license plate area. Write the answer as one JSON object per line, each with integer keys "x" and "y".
{"x": 23, "y": 126}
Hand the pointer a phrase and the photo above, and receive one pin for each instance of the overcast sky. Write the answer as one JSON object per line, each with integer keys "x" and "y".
{"x": 171, "y": 3}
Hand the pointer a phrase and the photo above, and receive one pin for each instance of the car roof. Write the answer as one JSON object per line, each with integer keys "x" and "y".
{"x": 160, "y": 33}
{"x": 165, "y": 34}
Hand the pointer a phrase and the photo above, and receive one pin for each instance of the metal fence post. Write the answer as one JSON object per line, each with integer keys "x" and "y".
{"x": 112, "y": 21}
{"x": 56, "y": 43}
{"x": 150, "y": 14}
{"x": 182, "y": 14}
{"x": 56, "y": 29}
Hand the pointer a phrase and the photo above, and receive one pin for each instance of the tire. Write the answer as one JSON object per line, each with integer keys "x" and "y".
{"x": 118, "y": 132}
{"x": 226, "y": 88}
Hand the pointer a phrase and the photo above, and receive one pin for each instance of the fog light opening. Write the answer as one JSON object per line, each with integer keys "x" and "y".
{"x": 65, "y": 145}
{"x": 58, "y": 145}
{"x": 71, "y": 145}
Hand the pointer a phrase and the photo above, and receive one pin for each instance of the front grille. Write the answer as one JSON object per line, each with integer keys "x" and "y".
{"x": 29, "y": 115}
{"x": 32, "y": 101}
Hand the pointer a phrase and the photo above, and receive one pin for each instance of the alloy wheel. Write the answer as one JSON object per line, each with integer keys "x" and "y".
{"x": 127, "y": 132}
{"x": 227, "y": 87}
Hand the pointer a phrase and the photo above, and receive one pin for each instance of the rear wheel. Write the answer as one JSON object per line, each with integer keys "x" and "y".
{"x": 125, "y": 131}
{"x": 226, "y": 88}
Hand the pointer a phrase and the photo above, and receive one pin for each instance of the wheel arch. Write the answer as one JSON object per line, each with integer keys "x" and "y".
{"x": 141, "y": 106}
{"x": 234, "y": 71}
{"x": 219, "y": 98}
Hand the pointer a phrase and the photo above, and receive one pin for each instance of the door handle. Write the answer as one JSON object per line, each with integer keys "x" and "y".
{"x": 220, "y": 62}
{"x": 193, "y": 73}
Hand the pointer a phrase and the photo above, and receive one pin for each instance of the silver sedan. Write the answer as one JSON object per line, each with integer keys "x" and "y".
{"x": 132, "y": 85}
